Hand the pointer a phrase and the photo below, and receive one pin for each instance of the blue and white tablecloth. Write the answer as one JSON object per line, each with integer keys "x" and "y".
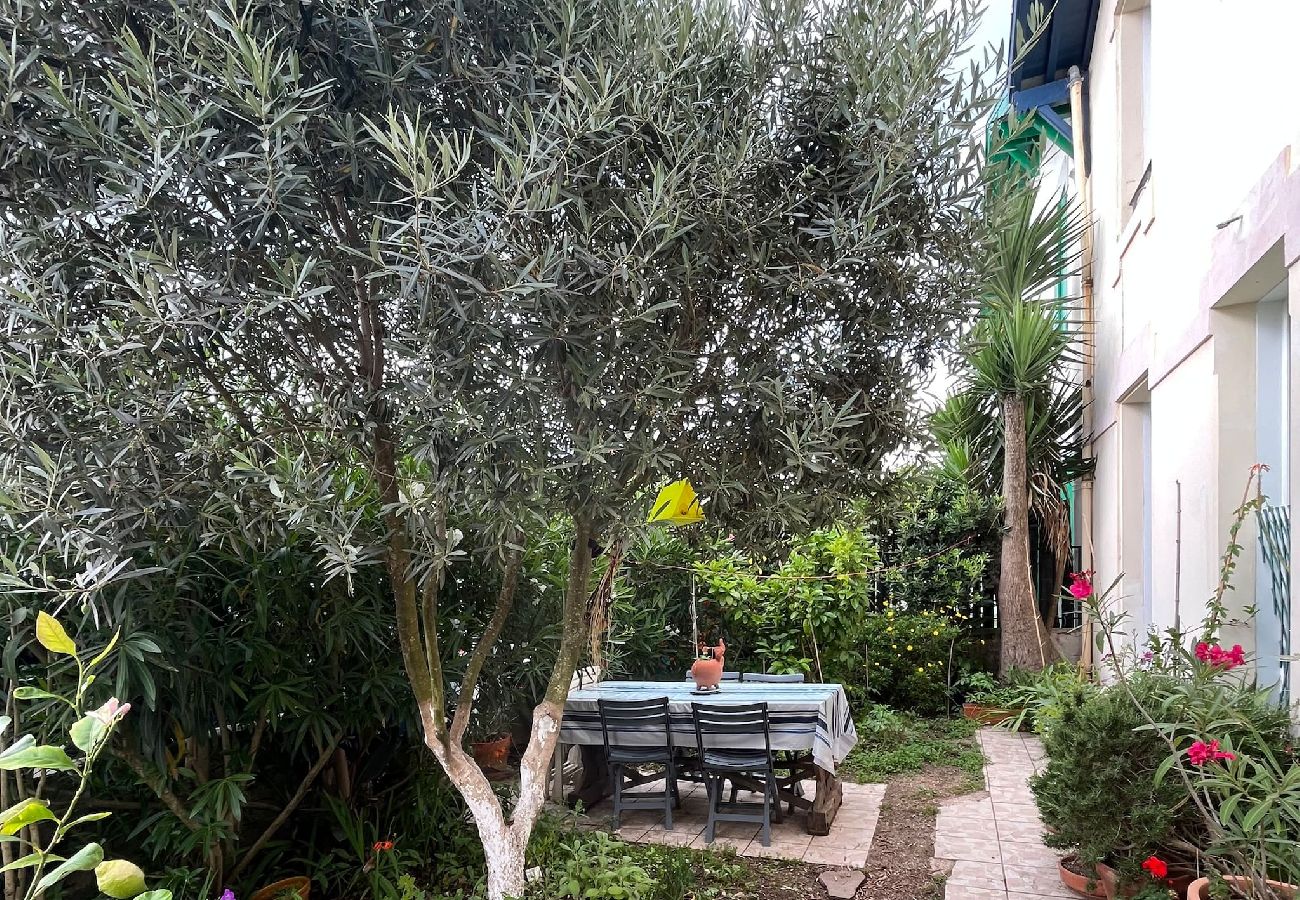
{"x": 800, "y": 716}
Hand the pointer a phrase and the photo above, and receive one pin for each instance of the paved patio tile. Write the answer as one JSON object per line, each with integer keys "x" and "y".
{"x": 779, "y": 849}
{"x": 847, "y": 845}
{"x": 833, "y": 856}
{"x": 1033, "y": 880}
{"x": 961, "y": 892}
{"x": 976, "y": 850}
{"x": 1026, "y": 853}
{"x": 1020, "y": 832}
{"x": 985, "y": 876}
{"x": 995, "y": 840}
{"x": 669, "y": 838}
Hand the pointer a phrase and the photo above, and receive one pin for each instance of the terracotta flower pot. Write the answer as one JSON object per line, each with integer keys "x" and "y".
{"x": 707, "y": 672}
{"x": 1076, "y": 882}
{"x": 1110, "y": 882}
{"x": 299, "y": 885}
{"x": 491, "y": 754}
{"x": 1200, "y": 888}
{"x": 986, "y": 715}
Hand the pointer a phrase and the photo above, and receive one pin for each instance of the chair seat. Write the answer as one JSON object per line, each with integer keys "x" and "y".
{"x": 640, "y": 754}
{"x": 735, "y": 760}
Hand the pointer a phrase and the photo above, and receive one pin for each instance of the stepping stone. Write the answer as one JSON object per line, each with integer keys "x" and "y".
{"x": 842, "y": 884}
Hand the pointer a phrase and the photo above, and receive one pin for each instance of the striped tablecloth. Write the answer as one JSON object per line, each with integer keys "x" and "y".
{"x": 800, "y": 716}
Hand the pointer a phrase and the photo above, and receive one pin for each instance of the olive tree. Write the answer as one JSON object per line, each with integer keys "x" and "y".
{"x": 409, "y": 280}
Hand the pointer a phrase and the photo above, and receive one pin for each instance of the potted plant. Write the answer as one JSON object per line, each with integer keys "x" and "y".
{"x": 1227, "y": 747}
{"x": 1078, "y": 877}
{"x": 984, "y": 699}
{"x": 489, "y": 737}
{"x": 297, "y": 888}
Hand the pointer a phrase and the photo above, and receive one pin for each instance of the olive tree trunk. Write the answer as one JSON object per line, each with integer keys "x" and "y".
{"x": 1026, "y": 641}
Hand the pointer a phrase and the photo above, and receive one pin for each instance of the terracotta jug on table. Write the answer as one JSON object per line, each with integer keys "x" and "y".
{"x": 707, "y": 671}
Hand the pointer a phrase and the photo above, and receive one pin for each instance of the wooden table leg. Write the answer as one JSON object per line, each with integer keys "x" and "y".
{"x": 593, "y": 787}
{"x": 830, "y": 794}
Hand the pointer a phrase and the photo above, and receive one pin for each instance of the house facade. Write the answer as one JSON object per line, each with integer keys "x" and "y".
{"x": 1185, "y": 137}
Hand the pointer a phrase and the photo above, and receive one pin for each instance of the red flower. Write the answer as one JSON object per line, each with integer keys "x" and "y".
{"x": 1080, "y": 585}
{"x": 383, "y": 846}
{"x": 1155, "y": 867}
{"x": 1201, "y": 753}
{"x": 1219, "y": 658}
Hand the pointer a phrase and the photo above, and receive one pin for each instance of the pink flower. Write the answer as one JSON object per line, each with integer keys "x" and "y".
{"x": 111, "y": 711}
{"x": 1219, "y": 658}
{"x": 1201, "y": 753}
{"x": 1080, "y": 585}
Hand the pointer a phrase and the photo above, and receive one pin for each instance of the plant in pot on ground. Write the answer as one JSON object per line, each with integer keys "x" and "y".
{"x": 1225, "y": 746}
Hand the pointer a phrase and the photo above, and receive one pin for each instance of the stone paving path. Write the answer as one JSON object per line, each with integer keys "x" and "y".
{"x": 847, "y": 845}
{"x": 990, "y": 843}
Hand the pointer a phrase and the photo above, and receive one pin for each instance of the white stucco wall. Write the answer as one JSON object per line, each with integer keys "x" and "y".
{"x": 1175, "y": 290}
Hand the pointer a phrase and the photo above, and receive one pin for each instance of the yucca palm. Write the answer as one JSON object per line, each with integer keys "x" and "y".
{"x": 1018, "y": 416}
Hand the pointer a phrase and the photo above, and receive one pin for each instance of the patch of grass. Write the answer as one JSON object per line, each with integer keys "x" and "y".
{"x": 892, "y": 743}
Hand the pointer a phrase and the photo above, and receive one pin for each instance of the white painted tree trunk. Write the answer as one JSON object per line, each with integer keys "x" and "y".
{"x": 504, "y": 843}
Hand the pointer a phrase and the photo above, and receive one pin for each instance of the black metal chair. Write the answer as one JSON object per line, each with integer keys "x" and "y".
{"x": 719, "y": 763}
{"x": 642, "y": 717}
{"x": 792, "y": 760}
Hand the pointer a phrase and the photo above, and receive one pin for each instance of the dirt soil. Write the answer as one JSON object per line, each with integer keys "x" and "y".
{"x": 898, "y": 867}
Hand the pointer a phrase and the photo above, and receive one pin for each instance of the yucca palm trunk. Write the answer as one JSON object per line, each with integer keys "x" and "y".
{"x": 1026, "y": 642}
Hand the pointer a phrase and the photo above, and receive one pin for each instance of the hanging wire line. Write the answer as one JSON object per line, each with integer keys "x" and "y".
{"x": 911, "y": 564}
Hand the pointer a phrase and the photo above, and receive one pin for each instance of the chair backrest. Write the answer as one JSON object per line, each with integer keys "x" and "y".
{"x": 756, "y": 677}
{"x": 726, "y": 676}
{"x": 730, "y": 719}
{"x": 644, "y": 716}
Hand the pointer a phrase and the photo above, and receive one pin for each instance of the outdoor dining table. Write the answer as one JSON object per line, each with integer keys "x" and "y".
{"x": 814, "y": 718}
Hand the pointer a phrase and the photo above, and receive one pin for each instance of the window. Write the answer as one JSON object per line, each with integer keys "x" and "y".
{"x": 1135, "y": 506}
{"x": 1133, "y": 32}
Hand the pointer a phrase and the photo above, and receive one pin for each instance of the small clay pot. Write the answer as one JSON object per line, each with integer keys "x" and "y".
{"x": 1200, "y": 888}
{"x": 492, "y": 754}
{"x": 707, "y": 672}
{"x": 1079, "y": 883}
{"x": 299, "y": 885}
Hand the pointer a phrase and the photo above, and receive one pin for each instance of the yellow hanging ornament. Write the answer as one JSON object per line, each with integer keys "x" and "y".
{"x": 676, "y": 505}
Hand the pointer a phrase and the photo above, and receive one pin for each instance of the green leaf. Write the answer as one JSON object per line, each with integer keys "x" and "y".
{"x": 5, "y": 722}
{"x": 45, "y": 756}
{"x": 31, "y": 859}
{"x": 24, "y": 813}
{"x": 103, "y": 654}
{"x": 83, "y": 860}
{"x": 81, "y": 820}
{"x": 52, "y": 637}
{"x": 86, "y": 732}
{"x": 155, "y": 895}
{"x": 35, "y": 693}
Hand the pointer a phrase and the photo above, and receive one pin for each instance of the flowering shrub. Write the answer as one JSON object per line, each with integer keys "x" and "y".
{"x": 907, "y": 659}
{"x": 1226, "y": 746}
